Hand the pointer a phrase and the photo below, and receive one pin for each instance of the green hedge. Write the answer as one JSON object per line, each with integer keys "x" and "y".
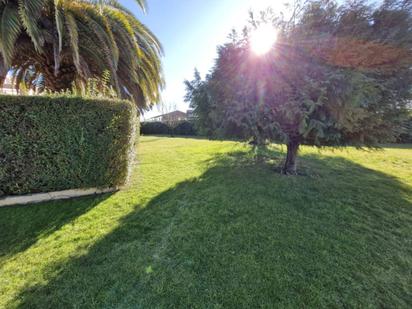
{"x": 185, "y": 128}
{"x": 160, "y": 128}
{"x": 154, "y": 128}
{"x": 58, "y": 143}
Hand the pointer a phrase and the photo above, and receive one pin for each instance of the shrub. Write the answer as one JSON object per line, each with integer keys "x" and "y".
{"x": 58, "y": 143}
{"x": 160, "y": 128}
{"x": 185, "y": 128}
{"x": 154, "y": 128}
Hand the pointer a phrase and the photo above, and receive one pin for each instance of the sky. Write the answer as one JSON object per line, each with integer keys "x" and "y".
{"x": 190, "y": 31}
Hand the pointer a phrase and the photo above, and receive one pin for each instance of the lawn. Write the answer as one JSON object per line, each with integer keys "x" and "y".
{"x": 202, "y": 226}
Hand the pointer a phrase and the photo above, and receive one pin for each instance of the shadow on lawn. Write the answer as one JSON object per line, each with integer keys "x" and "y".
{"x": 397, "y": 146}
{"x": 22, "y": 226}
{"x": 243, "y": 236}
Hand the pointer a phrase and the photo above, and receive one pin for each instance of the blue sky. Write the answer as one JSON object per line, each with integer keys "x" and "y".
{"x": 190, "y": 31}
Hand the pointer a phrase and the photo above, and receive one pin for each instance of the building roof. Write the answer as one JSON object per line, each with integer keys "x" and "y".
{"x": 171, "y": 114}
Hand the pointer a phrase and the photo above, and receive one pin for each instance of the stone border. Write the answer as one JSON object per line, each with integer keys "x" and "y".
{"x": 51, "y": 196}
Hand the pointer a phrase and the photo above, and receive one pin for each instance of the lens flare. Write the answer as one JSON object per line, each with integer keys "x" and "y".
{"x": 262, "y": 39}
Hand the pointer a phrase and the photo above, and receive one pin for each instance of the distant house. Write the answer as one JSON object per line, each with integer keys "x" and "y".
{"x": 8, "y": 87}
{"x": 169, "y": 117}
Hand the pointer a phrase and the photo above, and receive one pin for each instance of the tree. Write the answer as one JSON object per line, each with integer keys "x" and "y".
{"x": 66, "y": 41}
{"x": 338, "y": 75}
{"x": 197, "y": 94}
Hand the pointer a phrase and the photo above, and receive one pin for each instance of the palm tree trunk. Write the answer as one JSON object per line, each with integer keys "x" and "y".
{"x": 2, "y": 79}
{"x": 62, "y": 81}
{"x": 3, "y": 71}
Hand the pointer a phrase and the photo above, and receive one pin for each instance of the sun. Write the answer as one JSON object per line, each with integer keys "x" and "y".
{"x": 262, "y": 39}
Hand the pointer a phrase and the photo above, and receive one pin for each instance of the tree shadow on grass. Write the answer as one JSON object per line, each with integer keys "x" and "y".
{"x": 22, "y": 226}
{"x": 241, "y": 236}
{"x": 397, "y": 146}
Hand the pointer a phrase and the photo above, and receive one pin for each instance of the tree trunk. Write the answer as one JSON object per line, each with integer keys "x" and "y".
{"x": 62, "y": 81}
{"x": 3, "y": 74}
{"x": 259, "y": 148}
{"x": 2, "y": 79}
{"x": 289, "y": 167}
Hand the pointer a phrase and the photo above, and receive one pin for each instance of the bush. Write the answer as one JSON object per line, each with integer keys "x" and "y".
{"x": 185, "y": 128}
{"x": 58, "y": 143}
{"x": 154, "y": 128}
{"x": 160, "y": 128}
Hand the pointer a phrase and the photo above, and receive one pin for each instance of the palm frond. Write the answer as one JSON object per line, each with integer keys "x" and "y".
{"x": 30, "y": 11}
{"x": 59, "y": 16}
{"x": 74, "y": 39}
{"x": 67, "y": 41}
{"x": 10, "y": 28}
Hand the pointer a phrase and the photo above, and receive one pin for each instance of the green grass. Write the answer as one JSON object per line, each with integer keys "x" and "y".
{"x": 202, "y": 226}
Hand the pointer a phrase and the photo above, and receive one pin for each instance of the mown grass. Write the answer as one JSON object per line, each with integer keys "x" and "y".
{"x": 202, "y": 226}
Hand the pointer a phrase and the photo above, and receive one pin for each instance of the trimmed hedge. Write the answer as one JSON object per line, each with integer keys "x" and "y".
{"x": 185, "y": 128}
{"x": 154, "y": 128}
{"x": 57, "y": 143}
{"x": 160, "y": 128}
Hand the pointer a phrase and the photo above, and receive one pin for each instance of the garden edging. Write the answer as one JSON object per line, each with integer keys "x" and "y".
{"x": 51, "y": 196}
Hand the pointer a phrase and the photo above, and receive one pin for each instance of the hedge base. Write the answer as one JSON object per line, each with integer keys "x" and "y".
{"x": 52, "y": 196}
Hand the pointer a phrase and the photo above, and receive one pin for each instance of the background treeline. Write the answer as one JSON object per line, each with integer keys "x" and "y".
{"x": 231, "y": 130}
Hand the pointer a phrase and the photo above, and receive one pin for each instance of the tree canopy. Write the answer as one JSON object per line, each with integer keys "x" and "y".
{"x": 337, "y": 75}
{"x": 64, "y": 41}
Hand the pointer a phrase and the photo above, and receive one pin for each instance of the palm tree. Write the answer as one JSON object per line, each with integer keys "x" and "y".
{"x": 66, "y": 41}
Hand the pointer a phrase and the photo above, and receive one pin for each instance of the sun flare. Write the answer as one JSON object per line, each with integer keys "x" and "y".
{"x": 262, "y": 39}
